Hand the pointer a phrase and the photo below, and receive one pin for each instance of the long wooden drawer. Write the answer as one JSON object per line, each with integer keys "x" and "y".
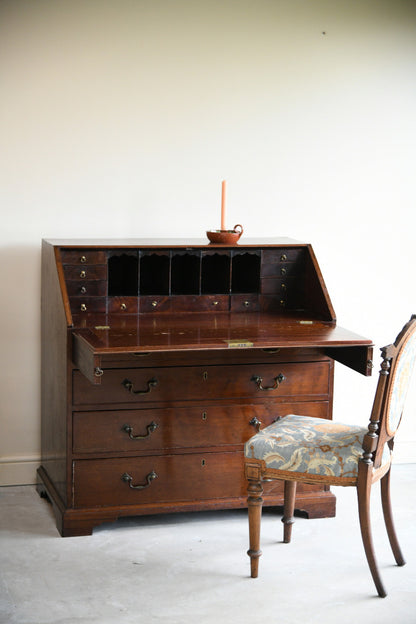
{"x": 179, "y": 478}
{"x": 254, "y": 381}
{"x": 144, "y": 430}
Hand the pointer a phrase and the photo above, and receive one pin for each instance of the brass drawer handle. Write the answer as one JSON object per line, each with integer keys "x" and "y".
{"x": 150, "y": 429}
{"x": 256, "y": 423}
{"x": 129, "y": 386}
{"x": 128, "y": 479}
{"x": 259, "y": 381}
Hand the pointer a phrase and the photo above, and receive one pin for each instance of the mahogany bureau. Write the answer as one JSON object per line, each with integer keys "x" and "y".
{"x": 158, "y": 360}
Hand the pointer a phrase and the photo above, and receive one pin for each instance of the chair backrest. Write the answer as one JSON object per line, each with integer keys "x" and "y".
{"x": 396, "y": 370}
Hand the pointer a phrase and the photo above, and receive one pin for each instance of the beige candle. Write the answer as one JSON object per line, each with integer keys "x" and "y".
{"x": 223, "y": 203}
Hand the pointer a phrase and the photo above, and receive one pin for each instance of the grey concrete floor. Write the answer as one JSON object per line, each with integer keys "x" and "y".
{"x": 186, "y": 568}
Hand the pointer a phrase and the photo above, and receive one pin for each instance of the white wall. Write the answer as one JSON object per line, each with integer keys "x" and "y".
{"x": 120, "y": 118}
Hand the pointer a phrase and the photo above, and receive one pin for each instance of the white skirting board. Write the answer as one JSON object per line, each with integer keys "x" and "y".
{"x": 19, "y": 470}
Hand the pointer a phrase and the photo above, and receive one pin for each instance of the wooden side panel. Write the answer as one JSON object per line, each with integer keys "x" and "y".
{"x": 54, "y": 373}
{"x": 316, "y": 295}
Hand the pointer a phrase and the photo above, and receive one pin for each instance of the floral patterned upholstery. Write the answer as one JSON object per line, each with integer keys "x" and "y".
{"x": 400, "y": 382}
{"x": 309, "y": 445}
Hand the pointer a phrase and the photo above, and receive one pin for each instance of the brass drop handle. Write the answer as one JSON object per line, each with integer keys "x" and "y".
{"x": 259, "y": 382}
{"x": 256, "y": 423}
{"x": 129, "y": 386}
{"x": 149, "y": 478}
{"x": 150, "y": 429}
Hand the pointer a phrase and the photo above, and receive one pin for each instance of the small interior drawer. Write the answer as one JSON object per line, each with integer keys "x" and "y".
{"x": 128, "y": 305}
{"x": 80, "y": 287}
{"x": 88, "y": 304}
{"x": 85, "y": 272}
{"x": 83, "y": 256}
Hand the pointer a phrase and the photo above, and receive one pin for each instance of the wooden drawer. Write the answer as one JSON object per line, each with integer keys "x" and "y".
{"x": 154, "y": 304}
{"x": 244, "y": 303}
{"x": 200, "y": 303}
{"x": 91, "y": 288}
{"x": 144, "y": 430}
{"x": 281, "y": 256}
{"x": 185, "y": 303}
{"x": 85, "y": 273}
{"x": 99, "y": 482}
{"x": 253, "y": 381}
{"x": 279, "y": 286}
{"x": 88, "y": 304}
{"x": 83, "y": 256}
{"x": 128, "y": 305}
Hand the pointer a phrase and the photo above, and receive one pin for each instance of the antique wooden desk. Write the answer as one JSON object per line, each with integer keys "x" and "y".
{"x": 159, "y": 357}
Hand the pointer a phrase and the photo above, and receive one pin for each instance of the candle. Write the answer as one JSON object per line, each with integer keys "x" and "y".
{"x": 223, "y": 203}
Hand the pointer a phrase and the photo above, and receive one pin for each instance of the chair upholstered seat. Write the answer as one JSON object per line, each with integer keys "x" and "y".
{"x": 307, "y": 445}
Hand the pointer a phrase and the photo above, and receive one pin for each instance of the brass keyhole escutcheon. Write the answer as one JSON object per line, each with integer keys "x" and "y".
{"x": 205, "y": 375}
{"x": 123, "y": 306}
{"x": 83, "y": 274}
{"x": 204, "y": 415}
{"x": 83, "y": 259}
{"x": 83, "y": 307}
{"x": 203, "y": 463}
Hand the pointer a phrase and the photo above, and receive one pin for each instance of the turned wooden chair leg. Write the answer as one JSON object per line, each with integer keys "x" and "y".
{"x": 363, "y": 492}
{"x": 288, "y": 510}
{"x": 388, "y": 519}
{"x": 255, "y": 502}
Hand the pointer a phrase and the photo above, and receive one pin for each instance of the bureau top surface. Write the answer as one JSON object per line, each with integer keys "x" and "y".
{"x": 168, "y": 242}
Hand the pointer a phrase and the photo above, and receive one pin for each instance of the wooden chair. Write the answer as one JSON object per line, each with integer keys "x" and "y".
{"x": 313, "y": 450}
